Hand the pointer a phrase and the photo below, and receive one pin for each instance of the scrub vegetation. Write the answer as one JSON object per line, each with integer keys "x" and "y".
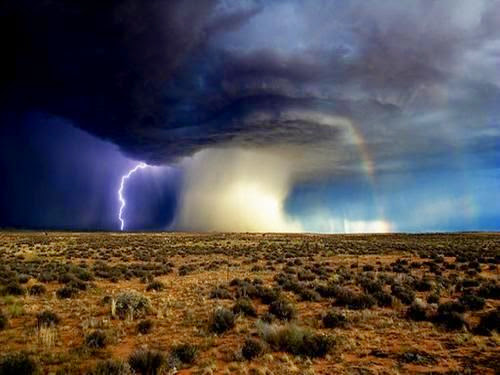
{"x": 173, "y": 303}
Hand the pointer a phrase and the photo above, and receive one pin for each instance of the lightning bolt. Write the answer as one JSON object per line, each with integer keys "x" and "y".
{"x": 120, "y": 191}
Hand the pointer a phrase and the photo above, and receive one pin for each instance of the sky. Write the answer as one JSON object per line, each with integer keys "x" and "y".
{"x": 286, "y": 115}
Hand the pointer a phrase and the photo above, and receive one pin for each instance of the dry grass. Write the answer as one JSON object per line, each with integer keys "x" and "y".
{"x": 190, "y": 266}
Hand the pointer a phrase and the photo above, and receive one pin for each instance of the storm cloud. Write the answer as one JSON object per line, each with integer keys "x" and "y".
{"x": 337, "y": 88}
{"x": 164, "y": 79}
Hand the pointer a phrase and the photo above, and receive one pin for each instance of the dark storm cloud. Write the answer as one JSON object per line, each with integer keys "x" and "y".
{"x": 164, "y": 79}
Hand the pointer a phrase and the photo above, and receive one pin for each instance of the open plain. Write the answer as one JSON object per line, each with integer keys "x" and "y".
{"x": 187, "y": 303}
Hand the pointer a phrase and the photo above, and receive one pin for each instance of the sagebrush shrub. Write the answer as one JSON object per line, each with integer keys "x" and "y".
{"x": 221, "y": 320}
{"x": 307, "y": 294}
{"x": 451, "y": 306}
{"x": 111, "y": 367}
{"x": 246, "y": 289}
{"x": 295, "y": 340}
{"x": 316, "y": 345}
{"x": 306, "y": 276}
{"x": 355, "y": 301}
{"x": 267, "y": 317}
{"x": 417, "y": 311}
{"x": 433, "y": 298}
{"x": 77, "y": 284}
{"x": 132, "y": 304}
{"x": 14, "y": 288}
{"x": 450, "y": 319}
{"x": 333, "y": 319}
{"x": 3, "y": 320}
{"x": 147, "y": 362}
{"x": 18, "y": 364}
{"x": 145, "y": 326}
{"x": 45, "y": 277}
{"x": 383, "y": 299}
{"x": 244, "y": 306}
{"x": 220, "y": 292}
{"x": 37, "y": 290}
{"x": 251, "y": 349}
{"x": 488, "y": 323}
{"x": 423, "y": 285}
{"x": 23, "y": 279}
{"x": 155, "y": 285}
{"x": 186, "y": 353}
{"x": 490, "y": 290}
{"x": 282, "y": 309}
{"x": 472, "y": 302}
{"x": 267, "y": 295}
{"x": 327, "y": 290}
{"x": 404, "y": 294}
{"x": 96, "y": 339}
{"x": 47, "y": 318}
{"x": 66, "y": 292}
{"x": 371, "y": 286}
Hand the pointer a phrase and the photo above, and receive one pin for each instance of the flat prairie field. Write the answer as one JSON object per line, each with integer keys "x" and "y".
{"x": 228, "y": 303}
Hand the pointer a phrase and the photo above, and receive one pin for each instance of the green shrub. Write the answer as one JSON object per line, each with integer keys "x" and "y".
{"x": 45, "y": 277}
{"x": 147, "y": 362}
{"x": 490, "y": 290}
{"x": 111, "y": 367}
{"x": 433, "y": 298}
{"x": 449, "y": 307}
{"x": 370, "y": 285}
{"x": 267, "y": 317}
{"x": 244, "y": 306}
{"x": 3, "y": 320}
{"x": 96, "y": 339}
{"x": 354, "y": 301}
{"x": 423, "y": 285}
{"x": 489, "y": 322}
{"x": 295, "y": 340}
{"x": 251, "y": 349}
{"x": 317, "y": 345}
{"x": 282, "y": 309}
{"x": 66, "y": 292}
{"x": 186, "y": 353}
{"x": 220, "y": 292}
{"x": 472, "y": 302}
{"x": 145, "y": 326}
{"x": 132, "y": 304}
{"x": 18, "y": 364}
{"x": 155, "y": 285}
{"x": 221, "y": 320}
{"x": 83, "y": 274}
{"x": 307, "y": 294}
{"x": 37, "y": 290}
{"x": 405, "y": 295}
{"x": 77, "y": 284}
{"x": 450, "y": 320}
{"x": 333, "y": 319}
{"x": 305, "y": 275}
{"x": 417, "y": 357}
{"x": 23, "y": 279}
{"x": 417, "y": 311}
{"x": 66, "y": 277}
{"x": 327, "y": 290}
{"x": 383, "y": 299}
{"x": 267, "y": 295}
{"x": 47, "y": 318}
{"x": 14, "y": 289}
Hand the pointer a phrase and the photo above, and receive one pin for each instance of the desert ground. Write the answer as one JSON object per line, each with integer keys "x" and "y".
{"x": 188, "y": 303}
